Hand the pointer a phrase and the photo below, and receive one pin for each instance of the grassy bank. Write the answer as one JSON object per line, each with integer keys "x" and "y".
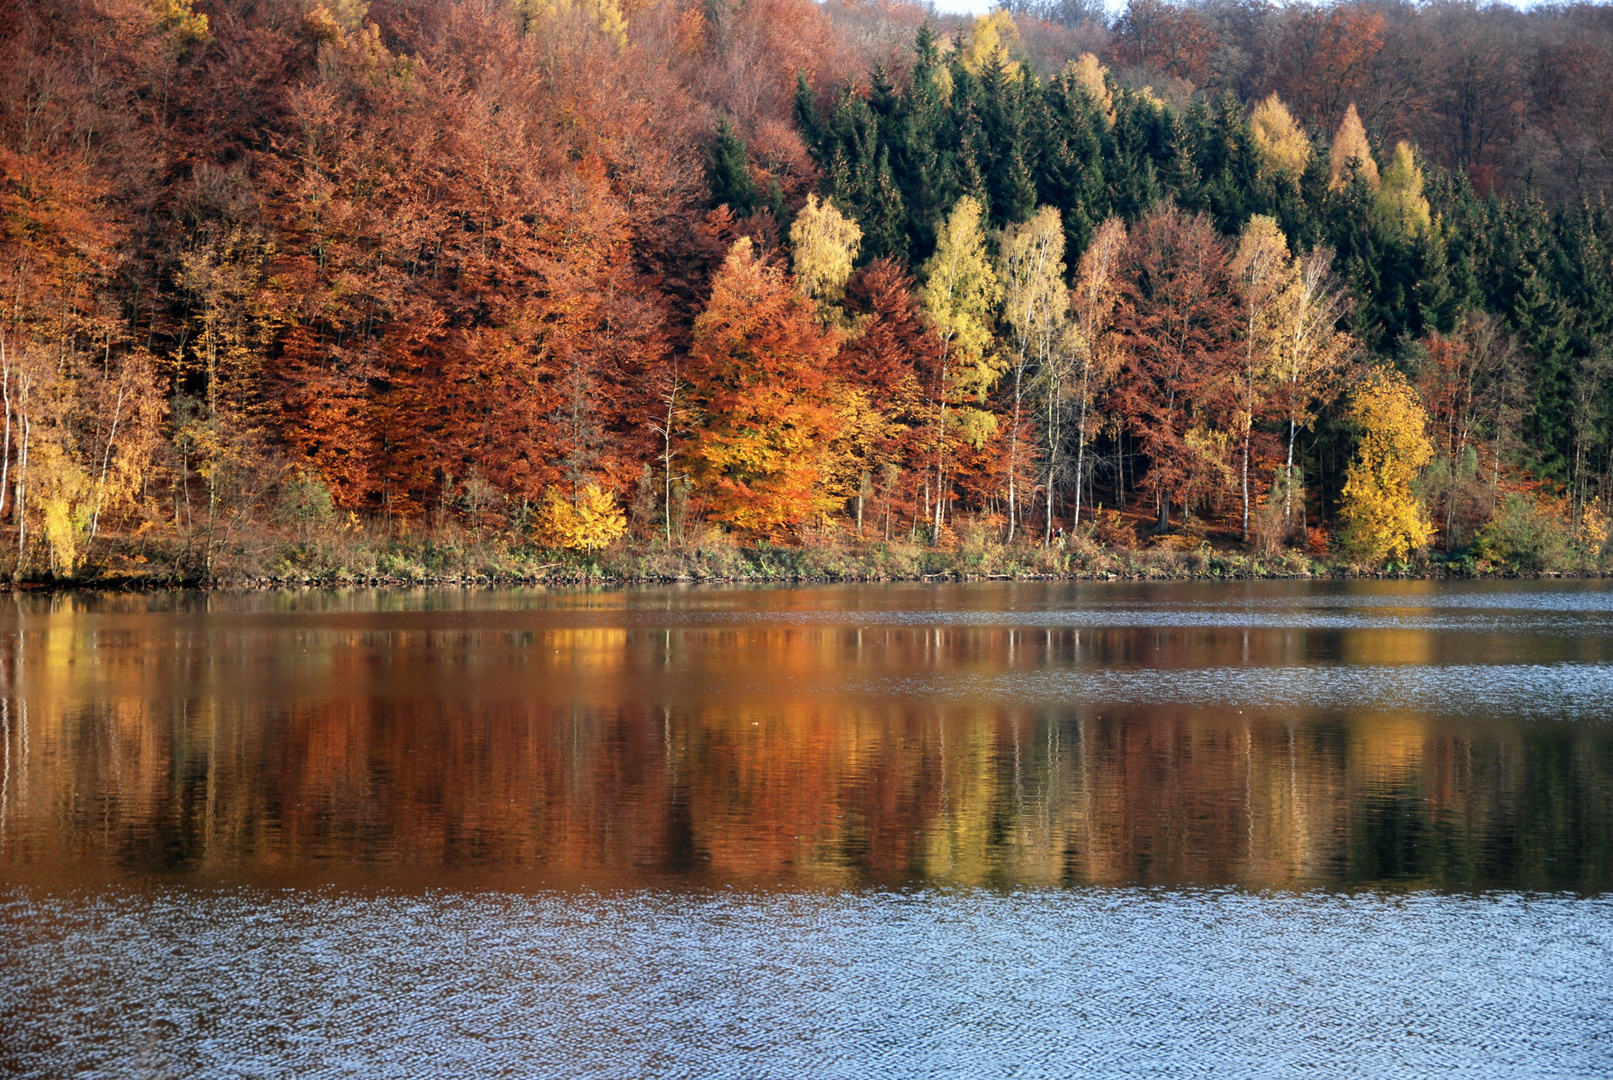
{"x": 360, "y": 555}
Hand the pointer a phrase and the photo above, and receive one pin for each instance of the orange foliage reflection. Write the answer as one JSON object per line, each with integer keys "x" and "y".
{"x": 501, "y": 748}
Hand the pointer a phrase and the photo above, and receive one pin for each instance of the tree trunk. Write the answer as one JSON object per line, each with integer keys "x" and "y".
{"x": 1013, "y": 456}
{"x": 940, "y": 449}
{"x": 1081, "y": 440}
{"x": 22, "y": 495}
{"x": 1288, "y": 474}
{"x": 1245, "y": 487}
{"x": 5, "y": 443}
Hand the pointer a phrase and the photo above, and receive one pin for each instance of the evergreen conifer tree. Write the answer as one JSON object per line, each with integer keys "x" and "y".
{"x": 728, "y": 172}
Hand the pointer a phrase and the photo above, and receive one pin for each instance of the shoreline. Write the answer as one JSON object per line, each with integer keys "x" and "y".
{"x": 433, "y": 563}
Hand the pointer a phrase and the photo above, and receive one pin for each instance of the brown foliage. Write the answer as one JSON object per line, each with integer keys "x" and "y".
{"x": 1325, "y": 60}
{"x": 1171, "y": 38}
{"x": 1178, "y": 317}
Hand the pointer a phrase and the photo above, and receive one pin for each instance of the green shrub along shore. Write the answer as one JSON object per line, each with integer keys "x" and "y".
{"x": 1518, "y": 543}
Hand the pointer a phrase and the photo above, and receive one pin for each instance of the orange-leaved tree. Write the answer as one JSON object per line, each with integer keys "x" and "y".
{"x": 879, "y": 372}
{"x": 1179, "y": 315}
{"x": 758, "y": 367}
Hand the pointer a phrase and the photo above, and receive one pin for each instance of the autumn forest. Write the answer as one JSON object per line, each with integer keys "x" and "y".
{"x": 313, "y": 288}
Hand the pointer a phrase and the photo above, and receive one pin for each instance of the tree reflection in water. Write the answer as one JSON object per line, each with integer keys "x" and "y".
{"x": 824, "y": 738}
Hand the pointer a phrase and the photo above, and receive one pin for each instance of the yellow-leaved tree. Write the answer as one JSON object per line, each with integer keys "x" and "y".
{"x": 1098, "y": 347}
{"x": 1036, "y": 308}
{"x": 1382, "y": 518}
{"x": 606, "y": 15}
{"x": 1351, "y": 149}
{"x": 1267, "y": 278}
{"x": 960, "y": 295}
{"x": 993, "y": 39}
{"x": 1086, "y": 72}
{"x": 180, "y": 18}
{"x": 1401, "y": 207}
{"x": 823, "y": 245}
{"x": 590, "y": 521}
{"x": 1283, "y": 146}
{"x": 1311, "y": 353}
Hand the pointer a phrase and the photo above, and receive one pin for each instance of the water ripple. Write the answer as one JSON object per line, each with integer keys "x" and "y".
{"x": 1086, "y": 983}
{"x": 1513, "y": 691}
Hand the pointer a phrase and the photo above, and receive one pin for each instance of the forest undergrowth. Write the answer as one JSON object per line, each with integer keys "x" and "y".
{"x": 372, "y": 554}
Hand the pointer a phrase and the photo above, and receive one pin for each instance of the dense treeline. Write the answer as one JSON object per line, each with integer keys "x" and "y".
{"x": 560, "y": 270}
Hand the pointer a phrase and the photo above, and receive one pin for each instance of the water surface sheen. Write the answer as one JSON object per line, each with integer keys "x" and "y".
{"x": 992, "y": 829}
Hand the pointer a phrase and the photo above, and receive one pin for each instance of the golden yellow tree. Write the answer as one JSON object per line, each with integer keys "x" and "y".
{"x": 591, "y": 521}
{"x": 994, "y": 39}
{"x": 1382, "y": 518}
{"x": 1266, "y": 279}
{"x": 1311, "y": 352}
{"x": 823, "y": 245}
{"x": 1036, "y": 308}
{"x": 1283, "y": 146}
{"x": 1350, "y": 147}
{"x": 1086, "y": 72}
{"x": 1098, "y": 349}
{"x": 960, "y": 295}
{"x": 606, "y": 16}
{"x": 180, "y": 18}
{"x": 1401, "y": 207}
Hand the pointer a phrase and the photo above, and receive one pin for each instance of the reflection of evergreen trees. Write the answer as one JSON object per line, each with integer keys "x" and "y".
{"x": 1533, "y": 814}
{"x": 1388, "y": 837}
{"x": 897, "y": 158}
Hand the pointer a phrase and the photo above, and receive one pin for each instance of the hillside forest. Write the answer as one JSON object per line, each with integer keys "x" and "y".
{"x": 302, "y": 288}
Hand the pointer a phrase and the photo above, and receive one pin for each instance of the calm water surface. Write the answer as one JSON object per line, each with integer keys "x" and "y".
{"x": 1005, "y": 829}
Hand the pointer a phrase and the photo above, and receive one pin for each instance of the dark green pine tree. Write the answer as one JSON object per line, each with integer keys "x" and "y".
{"x": 882, "y": 96}
{"x": 850, "y": 140}
{"x": 1348, "y": 225}
{"x": 1431, "y": 297}
{"x": 966, "y": 135}
{"x": 1465, "y": 219}
{"x": 1141, "y": 138}
{"x": 1394, "y": 278}
{"x": 1224, "y": 159}
{"x": 883, "y": 218}
{"x": 967, "y": 176}
{"x": 728, "y": 173}
{"x": 1006, "y": 150}
{"x": 808, "y": 118}
{"x": 920, "y": 159}
{"x": 777, "y": 206}
{"x": 1301, "y": 208}
{"x": 1587, "y": 243}
{"x": 1070, "y": 129}
{"x": 1174, "y": 160}
{"x": 1537, "y": 312}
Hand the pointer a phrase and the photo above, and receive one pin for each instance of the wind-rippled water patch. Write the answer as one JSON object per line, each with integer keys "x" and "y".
{"x": 966, "y": 983}
{"x": 1515, "y": 691}
{"x": 1164, "y": 618}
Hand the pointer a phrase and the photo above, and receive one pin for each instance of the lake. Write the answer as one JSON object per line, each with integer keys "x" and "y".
{"x": 1027, "y": 829}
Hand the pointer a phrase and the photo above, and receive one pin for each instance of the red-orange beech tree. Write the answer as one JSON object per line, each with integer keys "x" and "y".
{"x": 758, "y": 371}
